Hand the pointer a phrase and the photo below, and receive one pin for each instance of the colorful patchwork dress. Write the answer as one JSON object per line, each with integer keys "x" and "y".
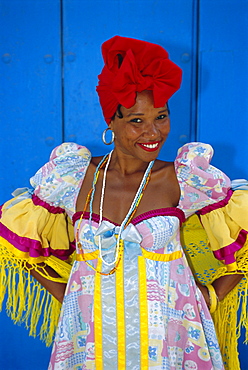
{"x": 149, "y": 314}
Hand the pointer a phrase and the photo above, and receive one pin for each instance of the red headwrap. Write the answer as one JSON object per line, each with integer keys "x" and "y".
{"x": 145, "y": 66}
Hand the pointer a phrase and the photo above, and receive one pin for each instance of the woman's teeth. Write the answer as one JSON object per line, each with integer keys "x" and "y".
{"x": 150, "y": 146}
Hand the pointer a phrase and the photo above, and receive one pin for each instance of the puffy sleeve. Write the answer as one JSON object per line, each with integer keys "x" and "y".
{"x": 223, "y": 211}
{"x": 36, "y": 231}
{"x": 201, "y": 183}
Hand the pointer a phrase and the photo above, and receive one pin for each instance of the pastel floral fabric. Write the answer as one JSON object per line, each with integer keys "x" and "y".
{"x": 149, "y": 314}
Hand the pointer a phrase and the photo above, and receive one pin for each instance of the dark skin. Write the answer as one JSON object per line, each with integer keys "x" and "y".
{"x": 126, "y": 185}
{"x": 53, "y": 287}
{"x": 129, "y": 163}
{"x": 139, "y": 135}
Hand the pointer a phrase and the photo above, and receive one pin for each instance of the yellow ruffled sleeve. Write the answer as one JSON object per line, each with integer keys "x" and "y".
{"x": 30, "y": 238}
{"x": 216, "y": 245}
{"x": 36, "y": 231}
{"x": 33, "y": 233}
{"x": 226, "y": 224}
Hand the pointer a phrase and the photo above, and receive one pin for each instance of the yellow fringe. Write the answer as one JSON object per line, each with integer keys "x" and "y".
{"x": 27, "y": 301}
{"x": 206, "y": 269}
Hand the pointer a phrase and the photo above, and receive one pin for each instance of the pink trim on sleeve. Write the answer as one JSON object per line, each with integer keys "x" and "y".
{"x": 38, "y": 202}
{"x": 226, "y": 254}
{"x": 34, "y": 247}
{"x": 220, "y": 204}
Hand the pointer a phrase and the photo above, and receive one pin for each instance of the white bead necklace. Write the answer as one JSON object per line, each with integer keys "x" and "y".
{"x": 135, "y": 200}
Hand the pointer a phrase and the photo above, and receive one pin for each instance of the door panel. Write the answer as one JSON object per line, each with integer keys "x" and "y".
{"x": 223, "y": 83}
{"x": 30, "y": 121}
{"x": 30, "y": 94}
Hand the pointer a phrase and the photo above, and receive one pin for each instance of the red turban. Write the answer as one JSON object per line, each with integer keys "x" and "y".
{"x": 145, "y": 66}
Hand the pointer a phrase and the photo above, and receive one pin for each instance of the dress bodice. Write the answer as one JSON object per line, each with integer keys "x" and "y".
{"x": 158, "y": 230}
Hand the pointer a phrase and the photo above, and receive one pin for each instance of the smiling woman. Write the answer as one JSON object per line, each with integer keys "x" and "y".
{"x": 131, "y": 301}
{"x": 141, "y": 127}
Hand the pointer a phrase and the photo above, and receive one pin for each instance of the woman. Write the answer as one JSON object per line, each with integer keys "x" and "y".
{"x": 131, "y": 301}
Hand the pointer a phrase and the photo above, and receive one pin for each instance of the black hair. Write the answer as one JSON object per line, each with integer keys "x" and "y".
{"x": 118, "y": 113}
{"x": 120, "y": 59}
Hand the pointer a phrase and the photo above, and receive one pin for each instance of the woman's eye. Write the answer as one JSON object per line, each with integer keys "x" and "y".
{"x": 162, "y": 116}
{"x": 136, "y": 120}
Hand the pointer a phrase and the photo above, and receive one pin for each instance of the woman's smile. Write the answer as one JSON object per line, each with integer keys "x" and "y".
{"x": 150, "y": 147}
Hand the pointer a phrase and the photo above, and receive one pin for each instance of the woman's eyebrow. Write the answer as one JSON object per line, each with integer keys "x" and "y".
{"x": 142, "y": 114}
{"x": 135, "y": 114}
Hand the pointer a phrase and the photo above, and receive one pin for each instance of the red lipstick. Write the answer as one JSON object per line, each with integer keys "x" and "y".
{"x": 149, "y": 147}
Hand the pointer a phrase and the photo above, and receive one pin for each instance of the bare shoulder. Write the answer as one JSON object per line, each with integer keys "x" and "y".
{"x": 93, "y": 164}
{"x": 163, "y": 168}
{"x": 165, "y": 185}
{"x": 96, "y": 160}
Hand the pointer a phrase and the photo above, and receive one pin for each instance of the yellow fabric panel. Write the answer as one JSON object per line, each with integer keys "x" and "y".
{"x": 87, "y": 256}
{"x": 237, "y": 208}
{"x": 224, "y": 224}
{"x": 161, "y": 257}
{"x": 37, "y": 223}
{"x": 196, "y": 246}
{"x": 120, "y": 316}
{"x": 98, "y": 318}
{"x": 143, "y": 313}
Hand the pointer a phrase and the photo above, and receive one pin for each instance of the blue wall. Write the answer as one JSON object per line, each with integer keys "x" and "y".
{"x": 50, "y": 59}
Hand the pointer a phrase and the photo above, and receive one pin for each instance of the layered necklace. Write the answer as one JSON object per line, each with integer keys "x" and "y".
{"x": 127, "y": 219}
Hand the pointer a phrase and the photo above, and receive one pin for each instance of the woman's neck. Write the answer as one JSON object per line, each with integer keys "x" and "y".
{"x": 125, "y": 164}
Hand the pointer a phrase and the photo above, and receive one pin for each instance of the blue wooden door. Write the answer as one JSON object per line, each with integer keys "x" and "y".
{"x": 31, "y": 88}
{"x": 31, "y": 124}
{"x": 223, "y": 83}
{"x": 50, "y": 59}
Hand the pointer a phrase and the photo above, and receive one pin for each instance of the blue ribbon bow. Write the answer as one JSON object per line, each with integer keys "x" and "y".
{"x": 109, "y": 233}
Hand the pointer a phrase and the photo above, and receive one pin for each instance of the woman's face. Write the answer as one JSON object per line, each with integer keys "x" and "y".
{"x": 143, "y": 129}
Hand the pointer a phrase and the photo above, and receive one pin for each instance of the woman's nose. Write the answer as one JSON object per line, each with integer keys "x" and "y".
{"x": 151, "y": 130}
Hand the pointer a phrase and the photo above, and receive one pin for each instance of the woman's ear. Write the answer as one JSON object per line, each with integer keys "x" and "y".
{"x": 111, "y": 125}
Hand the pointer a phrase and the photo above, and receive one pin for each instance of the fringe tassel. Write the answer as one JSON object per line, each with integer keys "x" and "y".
{"x": 27, "y": 301}
{"x": 206, "y": 268}
{"x": 226, "y": 329}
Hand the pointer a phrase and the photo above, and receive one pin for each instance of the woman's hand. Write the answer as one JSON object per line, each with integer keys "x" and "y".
{"x": 204, "y": 291}
{"x": 53, "y": 287}
{"x": 223, "y": 285}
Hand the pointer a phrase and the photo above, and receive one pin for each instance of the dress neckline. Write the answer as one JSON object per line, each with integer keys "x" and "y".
{"x": 168, "y": 211}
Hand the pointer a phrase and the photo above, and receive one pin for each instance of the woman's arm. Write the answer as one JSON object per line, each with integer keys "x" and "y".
{"x": 53, "y": 287}
{"x": 223, "y": 285}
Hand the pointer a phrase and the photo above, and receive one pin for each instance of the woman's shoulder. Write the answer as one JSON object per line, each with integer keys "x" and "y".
{"x": 200, "y": 182}
{"x": 64, "y": 159}
{"x": 57, "y": 181}
{"x": 189, "y": 151}
{"x": 68, "y": 149}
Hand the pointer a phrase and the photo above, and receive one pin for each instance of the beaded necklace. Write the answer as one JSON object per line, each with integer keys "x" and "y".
{"x": 133, "y": 208}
